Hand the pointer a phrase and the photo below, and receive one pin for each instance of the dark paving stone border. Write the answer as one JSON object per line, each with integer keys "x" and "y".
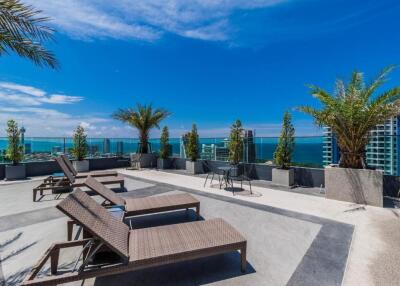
{"x": 324, "y": 262}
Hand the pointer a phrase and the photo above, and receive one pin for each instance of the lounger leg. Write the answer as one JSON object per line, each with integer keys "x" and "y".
{"x": 243, "y": 263}
{"x": 34, "y": 195}
{"x": 70, "y": 227}
{"x": 54, "y": 260}
{"x": 122, "y": 184}
{"x": 198, "y": 211}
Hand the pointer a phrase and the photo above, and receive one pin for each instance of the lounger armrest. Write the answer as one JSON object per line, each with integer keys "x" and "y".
{"x": 53, "y": 253}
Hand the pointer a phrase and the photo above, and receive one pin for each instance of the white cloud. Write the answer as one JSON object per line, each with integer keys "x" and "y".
{"x": 24, "y": 95}
{"x": 146, "y": 20}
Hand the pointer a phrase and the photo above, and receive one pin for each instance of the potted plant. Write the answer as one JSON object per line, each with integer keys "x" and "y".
{"x": 14, "y": 153}
{"x": 79, "y": 150}
{"x": 351, "y": 112}
{"x": 235, "y": 146}
{"x": 283, "y": 174}
{"x": 192, "y": 152}
{"x": 143, "y": 118}
{"x": 165, "y": 150}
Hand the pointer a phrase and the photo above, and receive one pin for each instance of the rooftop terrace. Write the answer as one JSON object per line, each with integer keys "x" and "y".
{"x": 294, "y": 237}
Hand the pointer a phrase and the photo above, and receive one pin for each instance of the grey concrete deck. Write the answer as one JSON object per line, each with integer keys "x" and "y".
{"x": 284, "y": 247}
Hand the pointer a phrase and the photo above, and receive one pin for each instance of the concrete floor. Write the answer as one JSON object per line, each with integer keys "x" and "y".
{"x": 293, "y": 239}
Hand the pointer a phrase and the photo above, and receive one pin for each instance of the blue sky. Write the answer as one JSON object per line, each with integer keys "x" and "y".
{"x": 208, "y": 62}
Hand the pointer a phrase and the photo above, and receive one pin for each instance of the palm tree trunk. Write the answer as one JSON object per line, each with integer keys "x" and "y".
{"x": 352, "y": 160}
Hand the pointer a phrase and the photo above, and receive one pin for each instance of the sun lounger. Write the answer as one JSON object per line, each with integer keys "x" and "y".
{"x": 135, "y": 249}
{"x": 85, "y": 175}
{"x": 147, "y": 205}
{"x": 69, "y": 182}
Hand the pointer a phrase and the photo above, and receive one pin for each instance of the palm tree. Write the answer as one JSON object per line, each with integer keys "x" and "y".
{"x": 143, "y": 118}
{"x": 23, "y": 32}
{"x": 352, "y": 111}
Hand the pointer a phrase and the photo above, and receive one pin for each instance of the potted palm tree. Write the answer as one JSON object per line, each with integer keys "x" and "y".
{"x": 192, "y": 152}
{"x": 351, "y": 112}
{"x": 165, "y": 150}
{"x": 14, "y": 153}
{"x": 283, "y": 174}
{"x": 79, "y": 150}
{"x": 143, "y": 118}
{"x": 235, "y": 146}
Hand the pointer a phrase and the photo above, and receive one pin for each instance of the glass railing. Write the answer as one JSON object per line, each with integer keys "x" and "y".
{"x": 308, "y": 150}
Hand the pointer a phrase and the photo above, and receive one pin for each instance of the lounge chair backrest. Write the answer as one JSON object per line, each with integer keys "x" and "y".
{"x": 98, "y": 221}
{"x": 69, "y": 164}
{"x": 65, "y": 170}
{"x": 103, "y": 191}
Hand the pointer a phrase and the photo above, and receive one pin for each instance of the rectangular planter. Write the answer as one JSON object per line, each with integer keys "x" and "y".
{"x": 81, "y": 166}
{"x": 17, "y": 172}
{"x": 359, "y": 186}
{"x": 163, "y": 163}
{"x": 148, "y": 160}
{"x": 283, "y": 177}
{"x": 195, "y": 167}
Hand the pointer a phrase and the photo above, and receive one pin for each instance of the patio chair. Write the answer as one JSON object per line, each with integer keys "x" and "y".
{"x": 123, "y": 250}
{"x": 85, "y": 175}
{"x": 211, "y": 171}
{"x": 147, "y": 205}
{"x": 242, "y": 173}
{"x": 69, "y": 182}
{"x": 134, "y": 161}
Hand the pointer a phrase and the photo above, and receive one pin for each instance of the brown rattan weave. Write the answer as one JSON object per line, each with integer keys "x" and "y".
{"x": 145, "y": 247}
{"x": 147, "y": 205}
{"x": 85, "y": 175}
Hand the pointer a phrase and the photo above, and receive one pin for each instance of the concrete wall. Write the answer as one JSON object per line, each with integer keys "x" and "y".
{"x": 308, "y": 177}
{"x": 49, "y": 167}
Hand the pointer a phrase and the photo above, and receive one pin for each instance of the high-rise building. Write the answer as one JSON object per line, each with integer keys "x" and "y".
{"x": 382, "y": 151}
{"x": 106, "y": 146}
{"x": 249, "y": 147}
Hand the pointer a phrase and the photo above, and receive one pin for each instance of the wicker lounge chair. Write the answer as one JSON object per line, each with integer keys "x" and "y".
{"x": 147, "y": 205}
{"x": 85, "y": 175}
{"x": 134, "y": 249}
{"x": 69, "y": 182}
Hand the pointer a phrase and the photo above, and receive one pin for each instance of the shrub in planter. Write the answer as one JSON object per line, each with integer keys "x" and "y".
{"x": 14, "y": 153}
{"x": 192, "y": 152}
{"x": 351, "y": 112}
{"x": 79, "y": 150}
{"x": 235, "y": 146}
{"x": 283, "y": 174}
{"x": 165, "y": 150}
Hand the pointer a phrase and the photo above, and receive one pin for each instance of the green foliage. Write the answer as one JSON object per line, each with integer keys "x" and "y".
{"x": 143, "y": 118}
{"x": 23, "y": 32}
{"x": 164, "y": 143}
{"x": 80, "y": 148}
{"x": 284, "y": 150}
{"x": 192, "y": 146}
{"x": 352, "y": 111}
{"x": 235, "y": 144}
{"x": 15, "y": 152}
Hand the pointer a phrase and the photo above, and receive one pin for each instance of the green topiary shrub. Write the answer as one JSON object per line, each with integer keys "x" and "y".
{"x": 79, "y": 151}
{"x": 284, "y": 150}
{"x": 192, "y": 147}
{"x": 15, "y": 152}
{"x": 164, "y": 144}
{"x": 236, "y": 143}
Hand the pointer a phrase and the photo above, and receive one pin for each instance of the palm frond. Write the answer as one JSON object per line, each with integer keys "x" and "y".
{"x": 23, "y": 32}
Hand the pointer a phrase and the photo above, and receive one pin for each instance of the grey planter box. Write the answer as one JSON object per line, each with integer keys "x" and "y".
{"x": 163, "y": 163}
{"x": 195, "y": 167}
{"x": 17, "y": 172}
{"x": 354, "y": 185}
{"x": 81, "y": 166}
{"x": 283, "y": 177}
{"x": 148, "y": 160}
